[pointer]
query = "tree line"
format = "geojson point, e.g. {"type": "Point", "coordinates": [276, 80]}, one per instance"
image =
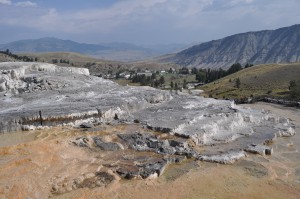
{"type": "Point", "coordinates": [55, 61]}
{"type": "Point", "coordinates": [148, 80]}
{"type": "Point", "coordinates": [210, 75]}
{"type": "Point", "coordinates": [17, 57]}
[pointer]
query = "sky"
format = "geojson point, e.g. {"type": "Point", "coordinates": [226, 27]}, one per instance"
{"type": "Point", "coordinates": [144, 22]}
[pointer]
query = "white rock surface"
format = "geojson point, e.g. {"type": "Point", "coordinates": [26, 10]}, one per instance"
{"type": "Point", "coordinates": [39, 95]}
{"type": "Point", "coordinates": [208, 121]}
{"type": "Point", "coordinates": [226, 158]}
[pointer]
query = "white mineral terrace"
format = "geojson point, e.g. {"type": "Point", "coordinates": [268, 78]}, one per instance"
{"type": "Point", "coordinates": [39, 95]}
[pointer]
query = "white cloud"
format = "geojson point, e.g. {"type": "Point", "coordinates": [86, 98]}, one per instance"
{"type": "Point", "coordinates": [26, 4]}
{"type": "Point", "coordinates": [5, 2]}
{"type": "Point", "coordinates": [135, 12]}
{"type": "Point", "coordinates": [157, 20]}
{"type": "Point", "coordinates": [105, 20]}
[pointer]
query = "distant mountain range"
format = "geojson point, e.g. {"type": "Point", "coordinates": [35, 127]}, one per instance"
{"type": "Point", "coordinates": [110, 51]}
{"type": "Point", "coordinates": [268, 46]}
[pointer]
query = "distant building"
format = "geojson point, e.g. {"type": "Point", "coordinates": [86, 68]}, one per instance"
{"type": "Point", "coordinates": [193, 85]}
{"type": "Point", "coordinates": [190, 86]}
{"type": "Point", "coordinates": [109, 76]}
{"type": "Point", "coordinates": [125, 75]}
{"type": "Point", "coordinates": [98, 74]}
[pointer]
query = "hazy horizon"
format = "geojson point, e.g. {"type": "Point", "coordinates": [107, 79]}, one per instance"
{"type": "Point", "coordinates": [141, 22]}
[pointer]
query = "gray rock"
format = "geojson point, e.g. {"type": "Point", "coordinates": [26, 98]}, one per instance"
{"type": "Point", "coordinates": [153, 168]}
{"type": "Point", "coordinates": [259, 149]}
{"type": "Point", "coordinates": [175, 159]}
{"type": "Point", "coordinates": [150, 169]}
{"type": "Point", "coordinates": [167, 150]}
{"type": "Point", "coordinates": [176, 143]}
{"type": "Point", "coordinates": [147, 142]}
{"type": "Point", "coordinates": [141, 142]}
{"type": "Point", "coordinates": [83, 142]}
{"type": "Point", "coordinates": [286, 132]}
{"type": "Point", "coordinates": [97, 142]}
{"type": "Point", "coordinates": [107, 146]}
{"type": "Point", "coordinates": [224, 158]}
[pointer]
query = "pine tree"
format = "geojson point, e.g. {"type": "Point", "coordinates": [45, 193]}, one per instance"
{"type": "Point", "coordinates": [161, 80]}
{"type": "Point", "coordinates": [172, 85]}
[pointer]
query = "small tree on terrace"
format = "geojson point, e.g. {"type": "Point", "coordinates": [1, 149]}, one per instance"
{"type": "Point", "coordinates": [184, 84]}
{"type": "Point", "coordinates": [172, 85]}
{"type": "Point", "coordinates": [153, 76]}
{"type": "Point", "coordinates": [176, 86]}
{"type": "Point", "coordinates": [161, 80]}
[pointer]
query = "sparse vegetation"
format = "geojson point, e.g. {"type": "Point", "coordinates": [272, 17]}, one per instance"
{"type": "Point", "coordinates": [271, 80]}
{"type": "Point", "coordinates": [294, 88]}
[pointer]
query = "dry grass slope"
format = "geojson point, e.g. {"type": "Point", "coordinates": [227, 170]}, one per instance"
{"type": "Point", "coordinates": [95, 65]}
{"type": "Point", "coordinates": [260, 80]}
{"type": "Point", "coordinates": [75, 57]}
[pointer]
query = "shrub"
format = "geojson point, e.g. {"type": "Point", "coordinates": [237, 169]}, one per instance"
{"type": "Point", "coordinates": [295, 89]}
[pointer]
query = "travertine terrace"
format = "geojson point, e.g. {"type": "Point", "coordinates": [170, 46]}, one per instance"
{"type": "Point", "coordinates": [93, 132]}
{"type": "Point", "coordinates": [39, 95]}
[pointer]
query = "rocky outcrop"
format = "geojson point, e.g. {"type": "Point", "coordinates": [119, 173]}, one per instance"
{"type": "Point", "coordinates": [137, 167]}
{"type": "Point", "coordinates": [146, 155]}
{"type": "Point", "coordinates": [147, 142]}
